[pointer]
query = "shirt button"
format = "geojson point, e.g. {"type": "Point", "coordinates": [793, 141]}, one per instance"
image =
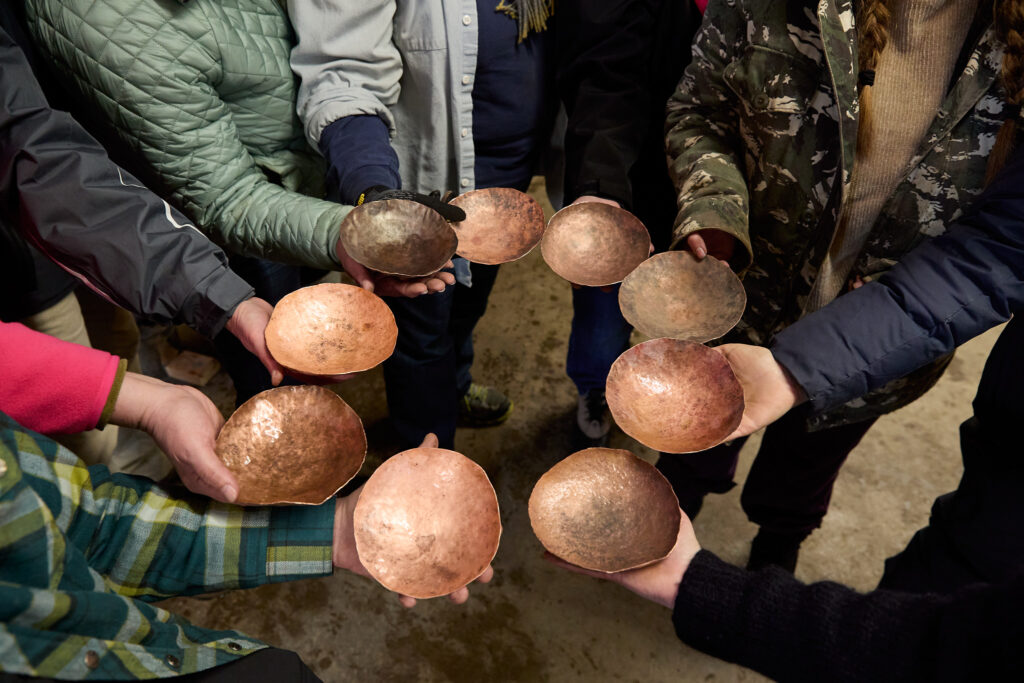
{"type": "Point", "coordinates": [172, 661]}
{"type": "Point", "coordinates": [464, 182]}
{"type": "Point", "coordinates": [467, 79]}
{"type": "Point", "coordinates": [92, 659]}
{"type": "Point", "coordinates": [234, 647]}
{"type": "Point", "coordinates": [464, 131]}
{"type": "Point", "coordinates": [761, 101]}
{"type": "Point", "coordinates": [466, 20]}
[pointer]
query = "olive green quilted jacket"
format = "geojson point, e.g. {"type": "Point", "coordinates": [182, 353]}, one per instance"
{"type": "Point", "coordinates": [202, 96]}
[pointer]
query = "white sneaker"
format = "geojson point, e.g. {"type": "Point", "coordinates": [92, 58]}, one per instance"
{"type": "Point", "coordinates": [592, 417]}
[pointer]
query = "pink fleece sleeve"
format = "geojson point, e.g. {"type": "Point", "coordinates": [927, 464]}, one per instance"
{"type": "Point", "coordinates": [52, 386]}
{"type": "Point", "coordinates": [701, 5]}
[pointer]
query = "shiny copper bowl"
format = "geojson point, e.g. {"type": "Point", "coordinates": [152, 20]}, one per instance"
{"type": "Point", "coordinates": [427, 522]}
{"type": "Point", "coordinates": [594, 244]}
{"type": "Point", "coordinates": [674, 396]}
{"type": "Point", "coordinates": [331, 329]}
{"type": "Point", "coordinates": [398, 237]}
{"type": "Point", "coordinates": [501, 225]}
{"type": "Point", "coordinates": [676, 295]}
{"type": "Point", "coordinates": [295, 445]}
{"type": "Point", "coordinates": [605, 509]}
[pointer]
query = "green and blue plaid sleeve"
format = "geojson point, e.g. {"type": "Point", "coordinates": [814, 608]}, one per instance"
{"type": "Point", "coordinates": [84, 551]}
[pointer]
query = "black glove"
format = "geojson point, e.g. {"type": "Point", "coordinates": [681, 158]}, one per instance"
{"type": "Point", "coordinates": [434, 200]}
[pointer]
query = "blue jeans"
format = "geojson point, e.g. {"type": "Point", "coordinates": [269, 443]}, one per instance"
{"type": "Point", "coordinates": [599, 335]}
{"type": "Point", "coordinates": [430, 368]}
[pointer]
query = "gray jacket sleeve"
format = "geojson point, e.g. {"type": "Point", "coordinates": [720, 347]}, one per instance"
{"type": "Point", "coordinates": [346, 61]}
{"type": "Point", "coordinates": [943, 293]}
{"type": "Point", "coordinates": [97, 221]}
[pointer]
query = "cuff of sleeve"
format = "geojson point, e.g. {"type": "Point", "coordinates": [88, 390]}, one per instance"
{"type": "Point", "coordinates": [214, 300]}
{"type": "Point", "coordinates": [708, 604]}
{"type": "Point", "coordinates": [718, 214]}
{"type": "Point", "coordinates": [115, 389]}
{"type": "Point", "coordinates": [300, 541]}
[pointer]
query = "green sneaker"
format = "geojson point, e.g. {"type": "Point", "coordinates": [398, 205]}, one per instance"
{"type": "Point", "coordinates": [484, 406]}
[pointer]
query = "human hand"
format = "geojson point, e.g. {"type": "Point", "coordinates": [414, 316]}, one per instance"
{"type": "Point", "coordinates": [768, 389]}
{"type": "Point", "coordinates": [717, 243]}
{"type": "Point", "coordinates": [346, 556]}
{"type": "Point", "coordinates": [184, 423]}
{"type": "Point", "coordinates": [249, 324]}
{"type": "Point", "coordinates": [391, 285]}
{"type": "Point", "coordinates": [658, 582]}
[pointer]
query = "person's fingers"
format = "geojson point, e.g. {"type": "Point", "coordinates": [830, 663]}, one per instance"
{"type": "Point", "coordinates": [206, 475]}
{"type": "Point", "coordinates": [435, 285]}
{"type": "Point", "coordinates": [608, 289]}
{"type": "Point", "coordinates": [460, 596]}
{"type": "Point", "coordinates": [696, 244]}
{"type": "Point", "coordinates": [448, 278]}
{"type": "Point", "coordinates": [429, 441]}
{"type": "Point", "coordinates": [406, 601]}
{"type": "Point", "coordinates": [487, 575]}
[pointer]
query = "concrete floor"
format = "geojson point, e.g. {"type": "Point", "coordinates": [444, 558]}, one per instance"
{"type": "Point", "coordinates": [535, 622]}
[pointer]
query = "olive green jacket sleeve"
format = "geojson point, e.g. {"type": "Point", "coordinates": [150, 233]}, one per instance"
{"type": "Point", "coordinates": [156, 73]}
{"type": "Point", "coordinates": [703, 139]}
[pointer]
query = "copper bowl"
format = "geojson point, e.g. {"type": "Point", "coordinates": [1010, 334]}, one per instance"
{"type": "Point", "coordinates": [605, 509]}
{"type": "Point", "coordinates": [676, 295]}
{"type": "Point", "coordinates": [398, 237]}
{"type": "Point", "coordinates": [501, 225]}
{"type": "Point", "coordinates": [297, 445]}
{"type": "Point", "coordinates": [331, 329]}
{"type": "Point", "coordinates": [427, 522]}
{"type": "Point", "coordinates": [674, 396]}
{"type": "Point", "coordinates": [594, 244]}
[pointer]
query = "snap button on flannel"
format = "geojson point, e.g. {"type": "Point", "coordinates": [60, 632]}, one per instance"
{"type": "Point", "coordinates": [172, 661]}
{"type": "Point", "coordinates": [92, 659]}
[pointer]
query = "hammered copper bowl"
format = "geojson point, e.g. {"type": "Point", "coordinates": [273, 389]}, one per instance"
{"type": "Point", "coordinates": [427, 522]}
{"type": "Point", "coordinates": [296, 445]}
{"type": "Point", "coordinates": [501, 225]}
{"type": "Point", "coordinates": [676, 295]}
{"type": "Point", "coordinates": [674, 396]}
{"type": "Point", "coordinates": [594, 244]}
{"type": "Point", "coordinates": [398, 237]}
{"type": "Point", "coordinates": [331, 329]}
{"type": "Point", "coordinates": [605, 509]}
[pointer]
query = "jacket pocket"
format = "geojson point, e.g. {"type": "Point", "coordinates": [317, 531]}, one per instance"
{"type": "Point", "coordinates": [419, 25]}
{"type": "Point", "coordinates": [772, 86]}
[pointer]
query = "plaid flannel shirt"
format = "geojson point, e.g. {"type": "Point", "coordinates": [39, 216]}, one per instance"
{"type": "Point", "coordinates": [83, 552]}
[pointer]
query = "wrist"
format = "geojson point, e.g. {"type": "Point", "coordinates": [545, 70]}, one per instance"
{"type": "Point", "coordinates": [140, 397]}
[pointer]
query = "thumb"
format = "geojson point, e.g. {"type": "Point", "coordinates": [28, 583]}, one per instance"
{"type": "Point", "coordinates": [205, 474]}
{"type": "Point", "coordinates": [429, 441]}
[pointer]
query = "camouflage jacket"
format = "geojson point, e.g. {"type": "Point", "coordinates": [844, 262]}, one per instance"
{"type": "Point", "coordinates": [761, 138]}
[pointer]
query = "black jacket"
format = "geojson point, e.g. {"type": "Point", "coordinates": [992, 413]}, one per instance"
{"type": "Point", "coordinates": [59, 190]}
{"type": "Point", "coordinates": [618, 63]}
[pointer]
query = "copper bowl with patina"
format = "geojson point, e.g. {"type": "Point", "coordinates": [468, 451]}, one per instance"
{"type": "Point", "coordinates": [331, 329]}
{"type": "Point", "coordinates": [605, 509]}
{"type": "Point", "coordinates": [501, 225]}
{"type": "Point", "coordinates": [674, 396]}
{"type": "Point", "coordinates": [295, 445]}
{"type": "Point", "coordinates": [398, 237]}
{"type": "Point", "coordinates": [594, 244]}
{"type": "Point", "coordinates": [427, 522]}
{"type": "Point", "coordinates": [677, 295]}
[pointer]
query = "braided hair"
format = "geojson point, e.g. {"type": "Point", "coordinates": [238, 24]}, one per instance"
{"type": "Point", "coordinates": [872, 35]}
{"type": "Point", "coordinates": [1008, 19]}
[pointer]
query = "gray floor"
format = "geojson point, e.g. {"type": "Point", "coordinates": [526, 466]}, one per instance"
{"type": "Point", "coordinates": [535, 622]}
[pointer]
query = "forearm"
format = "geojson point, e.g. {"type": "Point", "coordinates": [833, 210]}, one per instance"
{"type": "Point", "coordinates": [770, 622]}
{"type": "Point", "coordinates": [943, 293]}
{"type": "Point", "coordinates": [359, 156]}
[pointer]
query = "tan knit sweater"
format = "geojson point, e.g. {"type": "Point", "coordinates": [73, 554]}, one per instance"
{"type": "Point", "coordinates": [911, 78]}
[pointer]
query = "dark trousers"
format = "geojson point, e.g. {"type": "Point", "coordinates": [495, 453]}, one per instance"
{"type": "Point", "coordinates": [975, 533]}
{"type": "Point", "coordinates": [599, 334]}
{"type": "Point", "coordinates": [430, 368]}
{"type": "Point", "coordinates": [790, 483]}
{"type": "Point", "coordinates": [271, 281]}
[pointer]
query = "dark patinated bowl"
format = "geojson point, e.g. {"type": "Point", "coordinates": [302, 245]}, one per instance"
{"type": "Point", "coordinates": [501, 225]}
{"type": "Point", "coordinates": [331, 329]}
{"type": "Point", "coordinates": [398, 237]}
{"type": "Point", "coordinates": [674, 396]}
{"type": "Point", "coordinates": [605, 509]}
{"type": "Point", "coordinates": [594, 244]}
{"type": "Point", "coordinates": [295, 445]}
{"type": "Point", "coordinates": [676, 295]}
{"type": "Point", "coordinates": [427, 522]}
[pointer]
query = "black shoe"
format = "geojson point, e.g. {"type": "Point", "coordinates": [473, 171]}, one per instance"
{"type": "Point", "coordinates": [775, 549]}
{"type": "Point", "coordinates": [592, 420]}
